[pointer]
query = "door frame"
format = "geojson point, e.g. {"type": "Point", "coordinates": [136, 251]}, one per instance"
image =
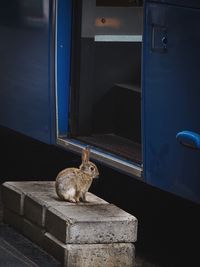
{"type": "Point", "coordinates": [63, 39]}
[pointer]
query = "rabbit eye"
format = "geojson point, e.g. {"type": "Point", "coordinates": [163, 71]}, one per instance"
{"type": "Point", "coordinates": [92, 169]}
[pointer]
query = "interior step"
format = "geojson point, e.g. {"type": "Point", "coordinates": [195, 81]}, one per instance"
{"type": "Point", "coordinates": [116, 145]}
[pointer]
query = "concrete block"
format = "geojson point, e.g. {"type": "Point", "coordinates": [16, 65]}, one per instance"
{"type": "Point", "coordinates": [91, 224]}
{"type": "Point", "coordinates": [28, 229]}
{"type": "Point", "coordinates": [31, 186]}
{"type": "Point", "coordinates": [13, 219]}
{"type": "Point", "coordinates": [36, 204]}
{"type": "Point", "coordinates": [98, 255]}
{"type": "Point", "coordinates": [33, 232]}
{"type": "Point", "coordinates": [13, 193]}
{"type": "Point", "coordinates": [90, 255]}
{"type": "Point", "coordinates": [54, 247]}
{"type": "Point", "coordinates": [13, 198]}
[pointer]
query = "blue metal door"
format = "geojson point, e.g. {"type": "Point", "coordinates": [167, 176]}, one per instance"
{"type": "Point", "coordinates": [171, 98]}
{"type": "Point", "coordinates": [35, 44]}
{"type": "Point", "coordinates": [26, 76]}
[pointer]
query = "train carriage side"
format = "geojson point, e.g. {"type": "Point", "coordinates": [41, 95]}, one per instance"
{"type": "Point", "coordinates": [121, 76]}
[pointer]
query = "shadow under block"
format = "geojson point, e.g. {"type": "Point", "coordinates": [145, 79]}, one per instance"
{"type": "Point", "coordinates": [85, 234]}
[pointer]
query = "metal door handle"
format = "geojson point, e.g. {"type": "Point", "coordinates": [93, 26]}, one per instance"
{"type": "Point", "coordinates": [164, 41]}
{"type": "Point", "coordinates": [159, 39]}
{"type": "Point", "coordinates": [189, 139]}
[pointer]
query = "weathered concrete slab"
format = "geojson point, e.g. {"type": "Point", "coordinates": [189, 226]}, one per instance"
{"type": "Point", "coordinates": [33, 232]}
{"type": "Point", "coordinates": [91, 224]}
{"type": "Point", "coordinates": [13, 193]}
{"type": "Point", "coordinates": [54, 247]}
{"type": "Point", "coordinates": [36, 204]}
{"type": "Point", "coordinates": [85, 234]}
{"type": "Point", "coordinates": [13, 219]}
{"type": "Point", "coordinates": [13, 198]}
{"type": "Point", "coordinates": [90, 255]}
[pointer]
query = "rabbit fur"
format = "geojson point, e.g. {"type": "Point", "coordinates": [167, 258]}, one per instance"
{"type": "Point", "coordinates": [72, 184]}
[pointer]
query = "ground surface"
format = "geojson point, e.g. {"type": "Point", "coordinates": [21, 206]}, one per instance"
{"type": "Point", "coordinates": [17, 251]}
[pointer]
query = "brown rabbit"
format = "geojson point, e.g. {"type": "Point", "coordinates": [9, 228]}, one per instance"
{"type": "Point", "coordinates": [72, 184]}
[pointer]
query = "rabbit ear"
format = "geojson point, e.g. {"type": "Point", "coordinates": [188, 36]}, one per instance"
{"type": "Point", "coordinates": [86, 154]}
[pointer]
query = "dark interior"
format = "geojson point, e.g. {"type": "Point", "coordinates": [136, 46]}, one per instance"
{"type": "Point", "coordinates": [106, 91]}
{"type": "Point", "coordinates": [119, 2]}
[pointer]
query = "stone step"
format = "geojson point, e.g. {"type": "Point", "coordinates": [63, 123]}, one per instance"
{"type": "Point", "coordinates": [90, 234]}
{"type": "Point", "coordinates": [36, 205]}
{"type": "Point", "coordinates": [13, 193]}
{"type": "Point", "coordinates": [95, 222]}
{"type": "Point", "coordinates": [13, 219]}
{"type": "Point", "coordinates": [76, 255]}
{"type": "Point", "coordinates": [90, 255]}
{"type": "Point", "coordinates": [91, 224]}
{"type": "Point", "coordinates": [24, 226]}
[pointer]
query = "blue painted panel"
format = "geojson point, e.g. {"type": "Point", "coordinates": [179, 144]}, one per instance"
{"type": "Point", "coordinates": [171, 96]}
{"type": "Point", "coordinates": [24, 68]}
{"type": "Point", "coordinates": [64, 25]}
{"type": "Point", "coordinates": [183, 3]}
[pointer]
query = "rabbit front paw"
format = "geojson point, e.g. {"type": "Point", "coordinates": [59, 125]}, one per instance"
{"type": "Point", "coordinates": [83, 198]}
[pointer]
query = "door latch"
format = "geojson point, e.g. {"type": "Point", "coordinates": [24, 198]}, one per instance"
{"type": "Point", "coordinates": [189, 139]}
{"type": "Point", "coordinates": [159, 39]}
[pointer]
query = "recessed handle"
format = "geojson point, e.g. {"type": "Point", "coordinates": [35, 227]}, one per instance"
{"type": "Point", "coordinates": [164, 41]}
{"type": "Point", "coordinates": [159, 39]}
{"type": "Point", "coordinates": [189, 139]}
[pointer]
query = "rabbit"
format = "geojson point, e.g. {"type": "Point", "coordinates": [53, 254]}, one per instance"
{"type": "Point", "coordinates": [72, 184]}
